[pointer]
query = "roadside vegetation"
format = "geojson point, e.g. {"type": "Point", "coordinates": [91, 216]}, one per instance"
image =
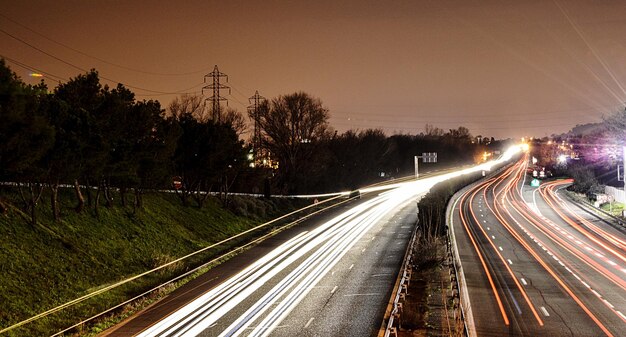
{"type": "Point", "coordinates": [52, 262]}
{"type": "Point", "coordinates": [431, 306]}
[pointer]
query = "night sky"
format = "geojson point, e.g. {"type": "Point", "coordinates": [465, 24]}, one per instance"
{"type": "Point", "coordinates": [500, 68]}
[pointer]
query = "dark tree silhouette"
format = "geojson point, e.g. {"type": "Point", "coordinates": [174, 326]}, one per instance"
{"type": "Point", "coordinates": [292, 126]}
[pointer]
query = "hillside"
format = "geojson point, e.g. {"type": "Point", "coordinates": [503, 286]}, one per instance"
{"type": "Point", "coordinates": [51, 263]}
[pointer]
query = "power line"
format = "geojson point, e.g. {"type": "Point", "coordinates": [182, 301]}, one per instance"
{"type": "Point", "coordinates": [27, 67]}
{"type": "Point", "coordinates": [97, 58]}
{"type": "Point", "coordinates": [79, 68]}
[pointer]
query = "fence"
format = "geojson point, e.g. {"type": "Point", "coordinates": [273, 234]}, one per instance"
{"type": "Point", "coordinates": [617, 193]}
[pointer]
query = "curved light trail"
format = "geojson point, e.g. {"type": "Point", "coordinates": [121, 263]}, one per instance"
{"type": "Point", "coordinates": [530, 253]}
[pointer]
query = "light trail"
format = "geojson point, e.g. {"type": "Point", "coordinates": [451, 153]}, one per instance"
{"type": "Point", "coordinates": [521, 207]}
{"type": "Point", "coordinates": [503, 198]}
{"type": "Point", "coordinates": [304, 260]}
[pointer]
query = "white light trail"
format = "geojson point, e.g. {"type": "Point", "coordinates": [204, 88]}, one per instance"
{"type": "Point", "coordinates": [320, 248]}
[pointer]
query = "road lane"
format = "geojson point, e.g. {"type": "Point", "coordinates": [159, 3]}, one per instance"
{"type": "Point", "coordinates": [520, 269]}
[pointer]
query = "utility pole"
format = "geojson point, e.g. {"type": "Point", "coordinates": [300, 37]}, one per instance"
{"type": "Point", "coordinates": [216, 86]}
{"type": "Point", "coordinates": [255, 102]}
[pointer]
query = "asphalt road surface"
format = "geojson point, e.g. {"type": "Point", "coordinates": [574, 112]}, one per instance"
{"type": "Point", "coordinates": [330, 276]}
{"type": "Point", "coordinates": [537, 265]}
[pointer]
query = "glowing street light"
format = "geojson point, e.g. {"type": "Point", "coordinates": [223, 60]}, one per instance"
{"type": "Point", "coordinates": [562, 159]}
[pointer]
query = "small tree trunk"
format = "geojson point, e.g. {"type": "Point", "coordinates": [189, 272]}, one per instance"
{"type": "Point", "coordinates": [123, 196]}
{"type": "Point", "coordinates": [54, 200]}
{"type": "Point", "coordinates": [88, 192]}
{"type": "Point", "coordinates": [138, 199]}
{"type": "Point", "coordinates": [96, 203]}
{"type": "Point", "coordinates": [79, 196]}
{"type": "Point", "coordinates": [107, 194]}
{"type": "Point", "coordinates": [34, 199]}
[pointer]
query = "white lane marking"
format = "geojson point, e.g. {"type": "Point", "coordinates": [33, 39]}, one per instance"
{"type": "Point", "coordinates": [334, 289]}
{"type": "Point", "coordinates": [500, 247]}
{"type": "Point", "coordinates": [362, 250]}
{"type": "Point", "coordinates": [351, 266]}
{"type": "Point", "coordinates": [510, 262]}
{"type": "Point", "coordinates": [333, 273]}
{"type": "Point", "coordinates": [365, 294]}
{"type": "Point", "coordinates": [309, 322]}
{"type": "Point", "coordinates": [545, 312]}
{"type": "Point", "coordinates": [524, 281]}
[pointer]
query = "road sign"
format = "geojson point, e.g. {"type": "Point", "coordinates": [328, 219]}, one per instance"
{"type": "Point", "coordinates": [177, 182]}
{"type": "Point", "coordinates": [429, 157]}
{"type": "Point", "coordinates": [535, 183]}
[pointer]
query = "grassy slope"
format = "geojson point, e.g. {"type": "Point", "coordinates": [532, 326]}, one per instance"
{"type": "Point", "coordinates": [51, 263]}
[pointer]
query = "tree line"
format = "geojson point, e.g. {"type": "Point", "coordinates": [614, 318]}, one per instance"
{"type": "Point", "coordinates": [101, 140]}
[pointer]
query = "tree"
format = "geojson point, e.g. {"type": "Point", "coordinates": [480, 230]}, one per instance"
{"type": "Point", "coordinates": [192, 105]}
{"type": "Point", "coordinates": [292, 126]}
{"type": "Point", "coordinates": [206, 153]}
{"type": "Point", "coordinates": [80, 150]}
{"type": "Point", "coordinates": [25, 135]}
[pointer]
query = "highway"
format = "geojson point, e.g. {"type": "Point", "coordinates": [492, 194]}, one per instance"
{"type": "Point", "coordinates": [535, 264]}
{"type": "Point", "coordinates": [332, 276]}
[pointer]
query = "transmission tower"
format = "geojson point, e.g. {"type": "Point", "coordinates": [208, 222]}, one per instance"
{"type": "Point", "coordinates": [216, 86]}
{"type": "Point", "coordinates": [255, 102]}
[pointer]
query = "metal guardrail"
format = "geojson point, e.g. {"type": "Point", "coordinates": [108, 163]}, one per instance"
{"type": "Point", "coordinates": [401, 288]}
{"type": "Point", "coordinates": [459, 277]}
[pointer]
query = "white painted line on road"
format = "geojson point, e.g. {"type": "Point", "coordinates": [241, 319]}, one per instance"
{"type": "Point", "coordinates": [545, 312]}
{"type": "Point", "coordinates": [500, 247]}
{"type": "Point", "coordinates": [334, 289]}
{"type": "Point", "coordinates": [309, 322]}
{"type": "Point", "coordinates": [620, 313]}
{"type": "Point", "coordinates": [351, 266]}
{"type": "Point", "coordinates": [612, 263]}
{"type": "Point", "coordinates": [212, 325]}
{"type": "Point", "coordinates": [366, 294]}
{"type": "Point", "coordinates": [509, 260]}
{"type": "Point", "coordinates": [609, 304]}
{"type": "Point", "coordinates": [373, 238]}
{"type": "Point", "coordinates": [524, 281]}
{"type": "Point", "coordinates": [333, 273]}
{"type": "Point", "coordinates": [585, 284]}
{"type": "Point", "coordinates": [362, 250]}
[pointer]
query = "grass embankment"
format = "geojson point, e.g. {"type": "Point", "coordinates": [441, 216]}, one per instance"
{"type": "Point", "coordinates": [48, 264]}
